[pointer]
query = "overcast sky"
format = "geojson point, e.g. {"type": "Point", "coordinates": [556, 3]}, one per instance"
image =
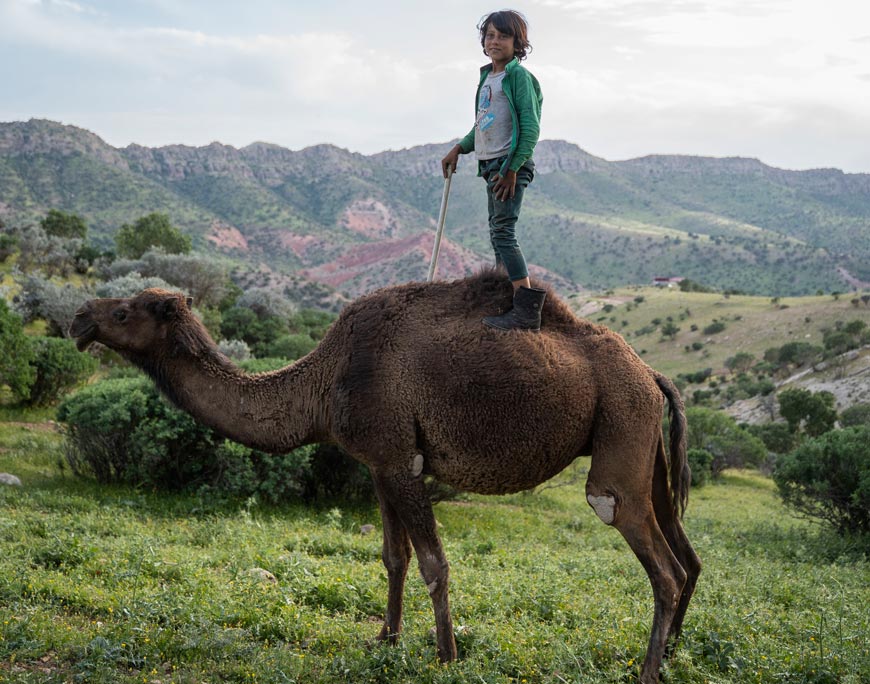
{"type": "Point", "coordinates": [785, 81]}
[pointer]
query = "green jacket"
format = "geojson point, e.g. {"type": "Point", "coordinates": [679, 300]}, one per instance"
{"type": "Point", "coordinates": [524, 97]}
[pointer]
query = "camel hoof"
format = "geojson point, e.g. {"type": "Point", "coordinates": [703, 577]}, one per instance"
{"type": "Point", "coordinates": [385, 636]}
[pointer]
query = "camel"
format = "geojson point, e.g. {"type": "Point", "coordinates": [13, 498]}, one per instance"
{"type": "Point", "coordinates": [410, 383]}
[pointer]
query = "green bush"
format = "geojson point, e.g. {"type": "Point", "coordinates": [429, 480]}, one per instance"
{"type": "Point", "coordinates": [701, 462]}
{"type": "Point", "coordinates": [259, 333]}
{"type": "Point", "coordinates": [777, 437]}
{"type": "Point", "coordinates": [745, 386]}
{"type": "Point", "coordinates": [718, 433]}
{"type": "Point", "coordinates": [16, 371]}
{"type": "Point", "coordinates": [121, 430]}
{"type": "Point", "coordinates": [289, 346]}
{"type": "Point", "coordinates": [59, 367]}
{"type": "Point", "coordinates": [829, 478]}
{"type": "Point", "coordinates": [8, 245]}
{"type": "Point", "coordinates": [714, 327]}
{"type": "Point", "coordinates": [857, 414]}
{"type": "Point", "coordinates": [813, 412]}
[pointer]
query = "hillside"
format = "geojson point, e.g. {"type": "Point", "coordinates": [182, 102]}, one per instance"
{"type": "Point", "coordinates": [589, 223]}
{"type": "Point", "coordinates": [750, 324]}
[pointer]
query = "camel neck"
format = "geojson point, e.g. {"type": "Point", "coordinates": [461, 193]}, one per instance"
{"type": "Point", "coordinates": [275, 411]}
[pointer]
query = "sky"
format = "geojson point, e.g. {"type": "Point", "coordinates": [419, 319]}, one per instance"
{"type": "Point", "coordinates": [783, 81]}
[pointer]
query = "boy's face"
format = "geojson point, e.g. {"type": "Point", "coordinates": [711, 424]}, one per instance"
{"type": "Point", "coordinates": [498, 46]}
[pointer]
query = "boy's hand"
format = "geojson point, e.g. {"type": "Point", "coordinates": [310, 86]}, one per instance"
{"type": "Point", "coordinates": [505, 186]}
{"type": "Point", "coordinates": [451, 160]}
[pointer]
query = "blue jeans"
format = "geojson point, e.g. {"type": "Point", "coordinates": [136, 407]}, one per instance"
{"type": "Point", "coordinates": [503, 217]}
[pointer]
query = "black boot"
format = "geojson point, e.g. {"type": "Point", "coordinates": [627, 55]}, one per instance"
{"type": "Point", "coordinates": [525, 314]}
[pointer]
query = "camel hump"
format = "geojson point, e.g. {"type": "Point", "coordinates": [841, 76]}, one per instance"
{"type": "Point", "coordinates": [467, 299]}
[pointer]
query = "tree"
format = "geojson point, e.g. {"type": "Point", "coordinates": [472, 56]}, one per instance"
{"type": "Point", "coordinates": [814, 411]}
{"type": "Point", "coordinates": [153, 230]}
{"type": "Point", "coordinates": [829, 478]}
{"type": "Point", "coordinates": [16, 370]}
{"type": "Point", "coordinates": [797, 353]}
{"type": "Point", "coordinates": [670, 330]}
{"type": "Point", "coordinates": [61, 224]}
{"type": "Point", "coordinates": [740, 362]}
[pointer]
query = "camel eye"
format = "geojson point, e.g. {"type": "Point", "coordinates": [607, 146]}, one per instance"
{"type": "Point", "coordinates": [120, 315]}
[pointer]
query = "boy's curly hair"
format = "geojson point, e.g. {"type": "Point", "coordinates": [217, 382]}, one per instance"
{"type": "Point", "coordinates": [510, 23]}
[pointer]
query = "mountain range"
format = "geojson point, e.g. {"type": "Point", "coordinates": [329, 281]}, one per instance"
{"type": "Point", "coordinates": [326, 216]}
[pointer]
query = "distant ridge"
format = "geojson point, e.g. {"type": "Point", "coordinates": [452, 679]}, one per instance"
{"type": "Point", "coordinates": [732, 223]}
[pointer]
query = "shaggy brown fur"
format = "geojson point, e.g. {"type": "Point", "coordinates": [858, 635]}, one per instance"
{"type": "Point", "coordinates": [410, 383]}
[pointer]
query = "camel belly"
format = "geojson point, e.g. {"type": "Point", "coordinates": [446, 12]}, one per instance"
{"type": "Point", "coordinates": [496, 475]}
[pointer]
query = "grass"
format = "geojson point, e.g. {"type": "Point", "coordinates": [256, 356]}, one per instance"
{"type": "Point", "coordinates": [106, 584]}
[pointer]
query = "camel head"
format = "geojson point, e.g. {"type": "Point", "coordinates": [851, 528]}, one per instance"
{"type": "Point", "coordinates": [141, 326]}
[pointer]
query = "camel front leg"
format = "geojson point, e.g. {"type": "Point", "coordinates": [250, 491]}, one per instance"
{"type": "Point", "coordinates": [396, 554]}
{"type": "Point", "coordinates": [405, 494]}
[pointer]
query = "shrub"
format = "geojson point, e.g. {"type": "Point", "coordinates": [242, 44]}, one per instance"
{"type": "Point", "coordinates": [312, 322]}
{"type": "Point", "coordinates": [814, 412]}
{"type": "Point", "coordinates": [697, 377]}
{"type": "Point", "coordinates": [829, 478]}
{"type": "Point", "coordinates": [53, 254]}
{"type": "Point", "coordinates": [740, 362]}
{"type": "Point", "coordinates": [8, 245]}
{"type": "Point", "coordinates": [202, 278]}
{"type": "Point", "coordinates": [59, 367]}
{"type": "Point", "coordinates": [745, 386]}
{"type": "Point", "coordinates": [793, 353]}
{"type": "Point", "coordinates": [237, 350]}
{"type": "Point", "coordinates": [777, 437]}
{"type": "Point", "coordinates": [718, 433]}
{"type": "Point", "coordinates": [289, 346]}
{"type": "Point", "coordinates": [242, 323]}
{"type": "Point", "coordinates": [267, 303]}
{"type": "Point", "coordinates": [53, 302]}
{"type": "Point", "coordinates": [857, 414]}
{"type": "Point", "coordinates": [121, 430]}
{"type": "Point", "coordinates": [701, 462]}
{"type": "Point", "coordinates": [839, 341]}
{"type": "Point", "coordinates": [130, 285]}
{"type": "Point", "coordinates": [16, 370]}
{"type": "Point", "coordinates": [714, 327]}
{"type": "Point", "coordinates": [687, 285]}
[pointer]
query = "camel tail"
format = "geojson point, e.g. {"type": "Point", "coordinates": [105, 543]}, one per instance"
{"type": "Point", "coordinates": [680, 473]}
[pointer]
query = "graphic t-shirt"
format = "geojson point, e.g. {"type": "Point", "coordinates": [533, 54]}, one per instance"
{"type": "Point", "coordinates": [493, 127]}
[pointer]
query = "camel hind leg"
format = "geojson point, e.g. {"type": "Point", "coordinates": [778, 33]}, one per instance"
{"type": "Point", "coordinates": [396, 555]}
{"type": "Point", "coordinates": [670, 524]}
{"type": "Point", "coordinates": [619, 490]}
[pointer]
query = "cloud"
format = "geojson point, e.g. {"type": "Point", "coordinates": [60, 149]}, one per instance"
{"type": "Point", "coordinates": [620, 77]}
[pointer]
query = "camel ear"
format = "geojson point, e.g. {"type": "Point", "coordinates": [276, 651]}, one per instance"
{"type": "Point", "coordinates": [167, 309]}
{"type": "Point", "coordinates": [189, 301]}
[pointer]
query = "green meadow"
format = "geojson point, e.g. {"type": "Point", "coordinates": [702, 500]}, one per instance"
{"type": "Point", "coordinates": [109, 584]}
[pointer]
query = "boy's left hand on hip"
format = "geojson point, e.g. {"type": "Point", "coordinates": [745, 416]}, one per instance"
{"type": "Point", "coordinates": [505, 186]}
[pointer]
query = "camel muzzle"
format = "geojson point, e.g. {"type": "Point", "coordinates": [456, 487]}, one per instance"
{"type": "Point", "coordinates": [83, 329]}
